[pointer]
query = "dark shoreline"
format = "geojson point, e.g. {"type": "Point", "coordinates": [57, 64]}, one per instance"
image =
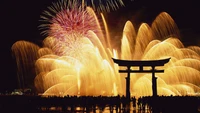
{"type": "Point", "coordinates": [88, 104]}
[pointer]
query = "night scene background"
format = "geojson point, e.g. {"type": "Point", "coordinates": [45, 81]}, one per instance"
{"type": "Point", "coordinates": [20, 21]}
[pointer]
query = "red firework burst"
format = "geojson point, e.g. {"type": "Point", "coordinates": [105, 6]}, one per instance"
{"type": "Point", "coordinates": [68, 19]}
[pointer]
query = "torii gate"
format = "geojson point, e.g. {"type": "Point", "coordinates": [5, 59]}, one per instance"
{"type": "Point", "coordinates": [141, 64]}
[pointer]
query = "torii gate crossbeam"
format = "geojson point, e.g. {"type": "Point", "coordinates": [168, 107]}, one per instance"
{"type": "Point", "coordinates": [141, 64]}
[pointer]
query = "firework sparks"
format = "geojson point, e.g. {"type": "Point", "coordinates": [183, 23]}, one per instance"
{"type": "Point", "coordinates": [75, 60]}
{"type": "Point", "coordinates": [67, 21]}
{"type": "Point", "coordinates": [102, 5]}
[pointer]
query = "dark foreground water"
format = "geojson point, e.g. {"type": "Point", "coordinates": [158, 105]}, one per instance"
{"type": "Point", "coordinates": [100, 104]}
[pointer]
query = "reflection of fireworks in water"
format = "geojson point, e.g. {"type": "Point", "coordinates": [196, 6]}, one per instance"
{"type": "Point", "coordinates": [76, 57]}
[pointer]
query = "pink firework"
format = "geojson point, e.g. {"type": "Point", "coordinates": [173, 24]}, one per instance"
{"type": "Point", "coordinates": [68, 19]}
{"type": "Point", "coordinates": [72, 21]}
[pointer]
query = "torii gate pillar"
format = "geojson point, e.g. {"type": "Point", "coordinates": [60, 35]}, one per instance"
{"type": "Point", "coordinates": [141, 64]}
{"type": "Point", "coordinates": [154, 83]}
{"type": "Point", "coordinates": [128, 94]}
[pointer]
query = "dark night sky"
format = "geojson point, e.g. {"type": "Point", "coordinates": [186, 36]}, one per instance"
{"type": "Point", "coordinates": [19, 21]}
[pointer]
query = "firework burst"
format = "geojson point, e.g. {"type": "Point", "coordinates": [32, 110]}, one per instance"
{"type": "Point", "coordinates": [66, 18]}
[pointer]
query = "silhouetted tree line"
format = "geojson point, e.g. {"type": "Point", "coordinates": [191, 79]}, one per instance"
{"type": "Point", "coordinates": [119, 104]}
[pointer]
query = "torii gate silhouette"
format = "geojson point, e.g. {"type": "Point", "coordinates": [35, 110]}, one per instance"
{"type": "Point", "coordinates": [141, 64]}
